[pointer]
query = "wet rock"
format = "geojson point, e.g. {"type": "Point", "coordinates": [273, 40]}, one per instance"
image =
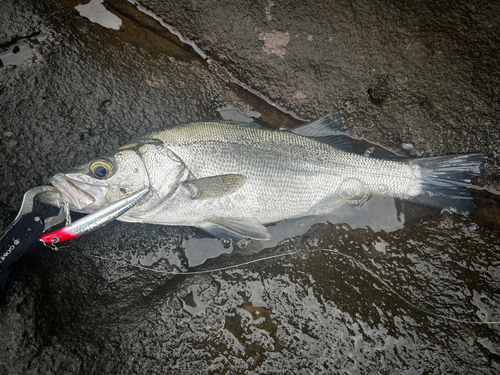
{"type": "Point", "coordinates": [19, 21]}
{"type": "Point", "coordinates": [333, 301]}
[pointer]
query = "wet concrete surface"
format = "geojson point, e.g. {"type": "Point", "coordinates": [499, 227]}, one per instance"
{"type": "Point", "coordinates": [397, 289]}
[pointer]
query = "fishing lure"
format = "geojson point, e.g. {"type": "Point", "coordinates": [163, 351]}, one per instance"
{"type": "Point", "coordinates": [95, 220]}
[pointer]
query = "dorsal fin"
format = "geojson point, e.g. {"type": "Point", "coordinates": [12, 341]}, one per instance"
{"type": "Point", "coordinates": [330, 129]}
{"type": "Point", "coordinates": [328, 125]}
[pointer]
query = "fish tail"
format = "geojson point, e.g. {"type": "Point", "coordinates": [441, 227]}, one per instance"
{"type": "Point", "coordinates": [444, 181]}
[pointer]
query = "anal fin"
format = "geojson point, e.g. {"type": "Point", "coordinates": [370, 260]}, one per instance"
{"type": "Point", "coordinates": [236, 228]}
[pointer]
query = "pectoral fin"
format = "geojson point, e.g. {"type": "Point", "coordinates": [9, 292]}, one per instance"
{"type": "Point", "coordinates": [236, 228]}
{"type": "Point", "coordinates": [214, 186]}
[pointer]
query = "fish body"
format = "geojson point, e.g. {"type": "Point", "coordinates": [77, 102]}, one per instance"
{"type": "Point", "coordinates": [231, 179]}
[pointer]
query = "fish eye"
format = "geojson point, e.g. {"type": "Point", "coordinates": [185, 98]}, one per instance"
{"type": "Point", "coordinates": [101, 169]}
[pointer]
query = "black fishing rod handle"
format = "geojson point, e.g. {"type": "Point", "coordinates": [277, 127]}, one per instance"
{"type": "Point", "coordinates": [16, 240]}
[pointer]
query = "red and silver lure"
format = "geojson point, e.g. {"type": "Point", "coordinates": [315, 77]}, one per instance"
{"type": "Point", "coordinates": [95, 220]}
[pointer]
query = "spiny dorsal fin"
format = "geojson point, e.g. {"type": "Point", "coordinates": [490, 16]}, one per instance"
{"type": "Point", "coordinates": [214, 186]}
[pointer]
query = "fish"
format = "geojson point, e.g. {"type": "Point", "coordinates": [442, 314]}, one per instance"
{"type": "Point", "coordinates": [232, 179]}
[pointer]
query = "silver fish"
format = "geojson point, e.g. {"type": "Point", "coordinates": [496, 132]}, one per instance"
{"type": "Point", "coordinates": [230, 179]}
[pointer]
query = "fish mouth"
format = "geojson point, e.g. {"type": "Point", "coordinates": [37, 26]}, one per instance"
{"type": "Point", "coordinates": [78, 195]}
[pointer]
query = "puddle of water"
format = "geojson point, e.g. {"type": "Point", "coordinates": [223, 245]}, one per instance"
{"type": "Point", "coordinates": [96, 12]}
{"type": "Point", "coordinates": [199, 250]}
{"type": "Point", "coordinates": [16, 54]}
{"type": "Point", "coordinates": [378, 214]}
{"type": "Point", "coordinates": [236, 114]}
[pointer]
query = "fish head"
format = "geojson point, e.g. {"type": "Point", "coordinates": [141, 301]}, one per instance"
{"type": "Point", "coordinates": [97, 184]}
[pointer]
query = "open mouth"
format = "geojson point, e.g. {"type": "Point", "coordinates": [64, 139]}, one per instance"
{"type": "Point", "coordinates": [77, 194]}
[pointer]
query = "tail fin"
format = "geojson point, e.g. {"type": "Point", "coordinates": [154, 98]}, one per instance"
{"type": "Point", "coordinates": [444, 180]}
